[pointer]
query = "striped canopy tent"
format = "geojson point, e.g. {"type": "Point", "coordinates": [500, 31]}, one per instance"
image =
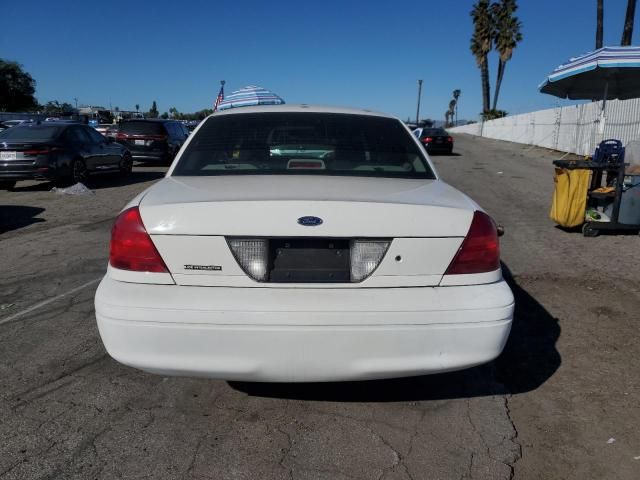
{"type": "Point", "coordinates": [250, 96]}
{"type": "Point", "coordinates": [604, 74]}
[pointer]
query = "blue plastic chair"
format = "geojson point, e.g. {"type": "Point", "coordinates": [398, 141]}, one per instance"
{"type": "Point", "coordinates": [609, 151]}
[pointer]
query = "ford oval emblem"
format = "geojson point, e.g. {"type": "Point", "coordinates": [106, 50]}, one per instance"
{"type": "Point", "coordinates": [310, 221]}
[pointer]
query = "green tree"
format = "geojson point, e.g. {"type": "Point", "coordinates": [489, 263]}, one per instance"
{"type": "Point", "coordinates": [202, 114]}
{"type": "Point", "coordinates": [493, 114]}
{"type": "Point", "coordinates": [137, 108]}
{"type": "Point", "coordinates": [481, 43]}
{"type": "Point", "coordinates": [599, 23]}
{"type": "Point", "coordinates": [55, 108]}
{"type": "Point", "coordinates": [627, 31]}
{"type": "Point", "coordinates": [16, 88]}
{"type": "Point", "coordinates": [153, 112]}
{"type": "Point", "coordinates": [507, 35]}
{"type": "Point", "coordinates": [164, 115]}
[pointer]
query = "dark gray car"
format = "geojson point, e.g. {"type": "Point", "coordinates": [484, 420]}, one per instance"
{"type": "Point", "coordinates": [64, 153]}
{"type": "Point", "coordinates": [152, 139]}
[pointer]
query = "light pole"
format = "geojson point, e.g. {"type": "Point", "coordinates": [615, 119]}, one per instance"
{"type": "Point", "coordinates": [419, 96]}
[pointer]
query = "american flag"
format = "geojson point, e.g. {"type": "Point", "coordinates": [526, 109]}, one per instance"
{"type": "Point", "coordinates": [219, 98]}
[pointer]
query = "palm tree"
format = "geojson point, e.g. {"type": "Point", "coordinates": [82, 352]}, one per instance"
{"type": "Point", "coordinates": [627, 32]}
{"type": "Point", "coordinates": [600, 20]}
{"type": "Point", "coordinates": [481, 42]}
{"type": "Point", "coordinates": [446, 118]}
{"type": "Point", "coordinates": [456, 96]}
{"type": "Point", "coordinates": [506, 37]}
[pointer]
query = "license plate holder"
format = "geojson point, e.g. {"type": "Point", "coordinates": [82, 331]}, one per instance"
{"type": "Point", "coordinates": [141, 143]}
{"type": "Point", "coordinates": [8, 155]}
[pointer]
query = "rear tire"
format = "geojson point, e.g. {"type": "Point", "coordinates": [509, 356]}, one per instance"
{"type": "Point", "coordinates": [126, 165]}
{"type": "Point", "coordinates": [79, 171]}
{"type": "Point", "coordinates": [77, 174]}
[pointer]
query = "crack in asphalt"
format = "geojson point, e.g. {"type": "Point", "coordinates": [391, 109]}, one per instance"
{"type": "Point", "coordinates": [397, 456]}
{"type": "Point", "coordinates": [514, 439]}
{"type": "Point", "coordinates": [19, 396]}
{"type": "Point", "coordinates": [488, 446]}
{"type": "Point", "coordinates": [285, 452]}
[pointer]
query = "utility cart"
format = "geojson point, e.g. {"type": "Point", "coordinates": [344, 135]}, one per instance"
{"type": "Point", "coordinates": [611, 193]}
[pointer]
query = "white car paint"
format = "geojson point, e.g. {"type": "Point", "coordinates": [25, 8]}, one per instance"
{"type": "Point", "coordinates": [407, 318]}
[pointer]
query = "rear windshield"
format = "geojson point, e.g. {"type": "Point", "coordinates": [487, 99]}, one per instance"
{"type": "Point", "coordinates": [303, 143]}
{"type": "Point", "coordinates": [32, 133]}
{"type": "Point", "coordinates": [142, 128]}
{"type": "Point", "coordinates": [433, 132]}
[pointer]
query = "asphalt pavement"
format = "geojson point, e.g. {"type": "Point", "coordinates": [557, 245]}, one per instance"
{"type": "Point", "coordinates": [561, 402]}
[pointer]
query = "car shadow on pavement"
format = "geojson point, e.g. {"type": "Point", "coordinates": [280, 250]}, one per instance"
{"type": "Point", "coordinates": [453, 154]}
{"type": "Point", "coordinates": [13, 217]}
{"type": "Point", "coordinates": [96, 182]}
{"type": "Point", "coordinates": [529, 359]}
{"type": "Point", "coordinates": [115, 180]}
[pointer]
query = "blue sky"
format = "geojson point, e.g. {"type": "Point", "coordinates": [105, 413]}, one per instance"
{"type": "Point", "coordinates": [361, 54]}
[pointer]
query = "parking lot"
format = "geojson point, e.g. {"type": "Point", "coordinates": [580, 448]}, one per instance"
{"type": "Point", "coordinates": [563, 400]}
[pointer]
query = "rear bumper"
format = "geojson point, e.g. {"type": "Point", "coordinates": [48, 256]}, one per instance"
{"type": "Point", "coordinates": [12, 173]}
{"type": "Point", "coordinates": [444, 147]}
{"type": "Point", "coordinates": [148, 154]}
{"type": "Point", "coordinates": [301, 335]}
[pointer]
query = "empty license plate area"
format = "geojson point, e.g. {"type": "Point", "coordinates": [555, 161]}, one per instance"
{"type": "Point", "coordinates": [309, 260]}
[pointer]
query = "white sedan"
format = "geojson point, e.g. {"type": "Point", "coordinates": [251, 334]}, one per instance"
{"type": "Point", "coordinates": [333, 254]}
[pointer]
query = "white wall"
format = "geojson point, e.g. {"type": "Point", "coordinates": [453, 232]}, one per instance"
{"type": "Point", "coordinates": [574, 129]}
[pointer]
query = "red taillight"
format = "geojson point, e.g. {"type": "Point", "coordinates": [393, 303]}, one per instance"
{"type": "Point", "coordinates": [160, 138]}
{"type": "Point", "coordinates": [427, 140]}
{"type": "Point", "coordinates": [121, 136]}
{"type": "Point", "coordinates": [480, 250]}
{"type": "Point", "coordinates": [131, 245]}
{"type": "Point", "coordinates": [449, 139]}
{"type": "Point", "coordinates": [40, 151]}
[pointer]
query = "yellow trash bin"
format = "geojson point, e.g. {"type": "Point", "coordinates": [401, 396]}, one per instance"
{"type": "Point", "coordinates": [570, 196]}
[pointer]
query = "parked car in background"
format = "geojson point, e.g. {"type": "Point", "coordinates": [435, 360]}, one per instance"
{"type": "Point", "coordinates": [107, 129]}
{"type": "Point", "coordinates": [340, 256]}
{"type": "Point", "coordinates": [152, 139]}
{"type": "Point", "coordinates": [191, 125]}
{"type": "Point", "coordinates": [64, 153]}
{"type": "Point", "coordinates": [13, 123]}
{"type": "Point", "coordinates": [435, 140]}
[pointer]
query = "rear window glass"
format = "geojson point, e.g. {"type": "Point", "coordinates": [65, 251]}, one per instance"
{"type": "Point", "coordinates": [32, 133]}
{"type": "Point", "coordinates": [303, 143]}
{"type": "Point", "coordinates": [433, 132]}
{"type": "Point", "coordinates": [142, 128]}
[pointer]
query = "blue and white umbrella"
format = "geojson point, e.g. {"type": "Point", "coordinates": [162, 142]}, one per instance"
{"type": "Point", "coordinates": [604, 74]}
{"type": "Point", "coordinates": [250, 96]}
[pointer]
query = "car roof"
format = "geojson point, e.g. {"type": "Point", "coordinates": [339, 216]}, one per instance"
{"type": "Point", "coordinates": [303, 107]}
{"type": "Point", "coordinates": [149, 120]}
{"type": "Point", "coordinates": [40, 125]}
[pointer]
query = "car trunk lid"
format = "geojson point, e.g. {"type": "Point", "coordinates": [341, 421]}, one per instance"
{"type": "Point", "coordinates": [271, 205]}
